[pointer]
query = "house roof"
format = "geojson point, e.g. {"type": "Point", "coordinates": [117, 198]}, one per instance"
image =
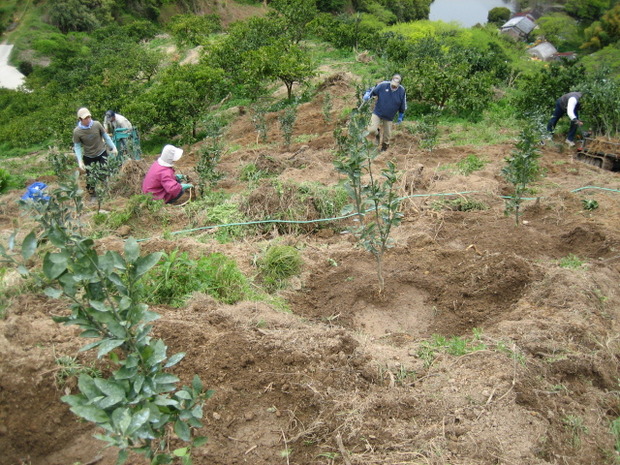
{"type": "Point", "coordinates": [522, 23]}
{"type": "Point", "coordinates": [544, 50]}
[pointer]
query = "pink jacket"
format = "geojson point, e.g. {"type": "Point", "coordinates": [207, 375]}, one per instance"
{"type": "Point", "coordinates": [160, 181]}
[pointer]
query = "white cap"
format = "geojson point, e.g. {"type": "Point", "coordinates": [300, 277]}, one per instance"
{"type": "Point", "coordinates": [169, 155]}
{"type": "Point", "coordinates": [83, 113]}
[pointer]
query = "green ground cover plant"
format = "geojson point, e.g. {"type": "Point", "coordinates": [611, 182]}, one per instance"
{"type": "Point", "coordinates": [571, 261]}
{"type": "Point", "coordinates": [457, 346]}
{"type": "Point", "coordinates": [277, 264]}
{"type": "Point", "coordinates": [177, 277]}
{"type": "Point", "coordinates": [135, 206]}
{"type": "Point", "coordinates": [470, 164]}
{"type": "Point", "coordinates": [70, 367]}
{"type": "Point", "coordinates": [228, 214]}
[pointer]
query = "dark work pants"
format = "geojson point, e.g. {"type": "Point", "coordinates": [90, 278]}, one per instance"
{"type": "Point", "coordinates": [557, 114]}
{"type": "Point", "coordinates": [102, 161]}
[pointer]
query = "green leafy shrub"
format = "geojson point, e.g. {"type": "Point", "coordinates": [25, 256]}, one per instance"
{"type": "Point", "coordinates": [209, 157]}
{"type": "Point", "coordinates": [279, 263]}
{"type": "Point", "coordinates": [60, 163]}
{"type": "Point", "coordinates": [427, 130]}
{"type": "Point", "coordinates": [260, 122]}
{"type": "Point", "coordinates": [374, 202]}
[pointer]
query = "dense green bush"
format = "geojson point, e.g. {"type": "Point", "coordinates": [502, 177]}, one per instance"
{"type": "Point", "coordinates": [192, 30]}
{"type": "Point", "coordinates": [453, 78]}
{"type": "Point", "coordinates": [538, 91]}
{"type": "Point", "coordinates": [601, 94]}
{"type": "Point", "coordinates": [348, 31]}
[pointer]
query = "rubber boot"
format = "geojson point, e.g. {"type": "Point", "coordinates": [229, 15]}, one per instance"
{"type": "Point", "coordinates": [384, 147]}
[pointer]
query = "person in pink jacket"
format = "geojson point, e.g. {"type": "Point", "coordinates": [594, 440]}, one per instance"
{"type": "Point", "coordinates": [161, 181]}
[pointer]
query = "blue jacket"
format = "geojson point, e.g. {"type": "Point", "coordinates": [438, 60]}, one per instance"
{"type": "Point", "coordinates": [389, 102]}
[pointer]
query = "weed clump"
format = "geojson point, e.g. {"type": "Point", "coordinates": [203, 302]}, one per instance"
{"type": "Point", "coordinates": [279, 263]}
{"type": "Point", "coordinates": [174, 280]}
{"type": "Point", "coordinates": [461, 204]}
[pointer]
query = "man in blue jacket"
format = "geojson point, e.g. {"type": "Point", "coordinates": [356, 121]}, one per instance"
{"type": "Point", "coordinates": [391, 99]}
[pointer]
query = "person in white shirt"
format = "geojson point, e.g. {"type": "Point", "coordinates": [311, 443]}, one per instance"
{"type": "Point", "coordinates": [567, 104]}
{"type": "Point", "coordinates": [113, 121]}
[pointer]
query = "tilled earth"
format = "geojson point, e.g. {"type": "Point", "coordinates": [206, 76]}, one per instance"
{"type": "Point", "coordinates": [356, 376]}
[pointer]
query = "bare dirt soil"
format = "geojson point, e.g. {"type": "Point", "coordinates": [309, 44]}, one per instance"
{"type": "Point", "coordinates": [352, 376]}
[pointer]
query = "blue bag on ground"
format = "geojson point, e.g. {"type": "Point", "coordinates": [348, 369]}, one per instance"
{"type": "Point", "coordinates": [35, 192]}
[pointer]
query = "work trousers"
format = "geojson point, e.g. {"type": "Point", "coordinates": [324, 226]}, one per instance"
{"type": "Point", "coordinates": [381, 126]}
{"type": "Point", "coordinates": [557, 114]}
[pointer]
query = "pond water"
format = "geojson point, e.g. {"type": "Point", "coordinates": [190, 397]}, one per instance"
{"type": "Point", "coordinates": [467, 12]}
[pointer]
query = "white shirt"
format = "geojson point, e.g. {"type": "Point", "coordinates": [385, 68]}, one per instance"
{"type": "Point", "coordinates": [570, 108]}
{"type": "Point", "coordinates": [120, 122]}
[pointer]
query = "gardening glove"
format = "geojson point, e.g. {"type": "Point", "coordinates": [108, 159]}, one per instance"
{"type": "Point", "coordinates": [179, 177]}
{"type": "Point", "coordinates": [187, 186]}
{"type": "Point", "coordinates": [366, 96]}
{"type": "Point", "coordinates": [400, 117]}
{"type": "Point", "coordinates": [110, 144]}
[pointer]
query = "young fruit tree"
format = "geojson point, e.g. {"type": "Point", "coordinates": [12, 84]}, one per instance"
{"type": "Point", "coordinates": [375, 203]}
{"type": "Point", "coordinates": [522, 168]}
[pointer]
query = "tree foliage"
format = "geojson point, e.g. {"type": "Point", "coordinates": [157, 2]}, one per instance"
{"type": "Point", "coordinates": [561, 30]}
{"type": "Point", "coordinates": [192, 30]}
{"type": "Point", "coordinates": [73, 15]}
{"type": "Point", "coordinates": [179, 98]}
{"type": "Point", "coordinates": [522, 167]}
{"type": "Point", "coordinates": [601, 94]}
{"type": "Point", "coordinates": [498, 15]}
{"type": "Point", "coordinates": [537, 91]}
{"type": "Point", "coordinates": [589, 10]}
{"type": "Point", "coordinates": [293, 16]}
{"type": "Point", "coordinates": [454, 78]}
{"type": "Point", "coordinates": [604, 32]}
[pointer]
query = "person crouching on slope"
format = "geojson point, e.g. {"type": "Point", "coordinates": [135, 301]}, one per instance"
{"type": "Point", "coordinates": [161, 181]}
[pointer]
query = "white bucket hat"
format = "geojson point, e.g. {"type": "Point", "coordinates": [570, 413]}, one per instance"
{"type": "Point", "coordinates": [169, 155]}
